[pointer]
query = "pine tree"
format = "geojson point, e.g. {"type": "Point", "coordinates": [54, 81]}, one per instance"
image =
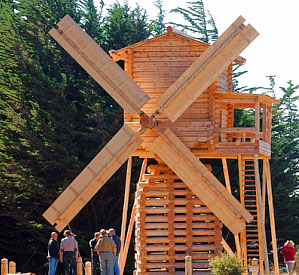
{"type": "Point", "coordinates": [200, 22]}
{"type": "Point", "coordinates": [285, 163]}
{"type": "Point", "coordinates": [159, 25]}
{"type": "Point", "coordinates": [124, 26]}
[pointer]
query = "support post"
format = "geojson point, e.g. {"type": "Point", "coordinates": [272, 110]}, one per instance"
{"type": "Point", "coordinates": [4, 266]}
{"type": "Point", "coordinates": [257, 120]}
{"type": "Point", "coordinates": [243, 232]}
{"type": "Point", "coordinates": [188, 265]}
{"type": "Point", "coordinates": [12, 268]}
{"type": "Point", "coordinates": [125, 206]}
{"type": "Point", "coordinates": [228, 187]}
{"type": "Point", "coordinates": [272, 219]}
{"type": "Point", "coordinates": [79, 266]}
{"type": "Point", "coordinates": [264, 190]}
{"type": "Point", "coordinates": [261, 228]}
{"type": "Point", "coordinates": [227, 248]}
{"type": "Point", "coordinates": [254, 268]}
{"type": "Point", "coordinates": [128, 240]}
{"type": "Point", "coordinates": [88, 268]}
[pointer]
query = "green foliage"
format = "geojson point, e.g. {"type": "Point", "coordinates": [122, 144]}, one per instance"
{"type": "Point", "coordinates": [54, 120]}
{"type": "Point", "coordinates": [297, 252]}
{"type": "Point", "coordinates": [199, 21]}
{"type": "Point", "coordinates": [225, 264]}
{"type": "Point", "coordinates": [285, 163]}
{"type": "Point", "coordinates": [159, 25]}
{"type": "Point", "coordinates": [124, 26]}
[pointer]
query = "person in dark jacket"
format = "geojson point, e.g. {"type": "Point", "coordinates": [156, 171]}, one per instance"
{"type": "Point", "coordinates": [117, 241]}
{"type": "Point", "coordinates": [53, 253]}
{"type": "Point", "coordinates": [95, 262]}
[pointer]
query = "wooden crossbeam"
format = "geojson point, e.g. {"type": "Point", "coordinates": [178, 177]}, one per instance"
{"type": "Point", "coordinates": [99, 65]}
{"type": "Point", "coordinates": [201, 181]}
{"type": "Point", "coordinates": [92, 178]}
{"type": "Point", "coordinates": [196, 79]}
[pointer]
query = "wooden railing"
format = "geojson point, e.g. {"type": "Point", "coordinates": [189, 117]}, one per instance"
{"type": "Point", "coordinates": [9, 268]}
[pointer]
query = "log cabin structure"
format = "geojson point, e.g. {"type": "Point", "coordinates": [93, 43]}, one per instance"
{"type": "Point", "coordinates": [179, 108]}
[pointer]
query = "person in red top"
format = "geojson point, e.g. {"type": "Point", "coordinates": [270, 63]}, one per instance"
{"type": "Point", "coordinates": [288, 251]}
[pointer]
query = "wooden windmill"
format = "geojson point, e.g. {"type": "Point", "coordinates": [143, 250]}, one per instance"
{"type": "Point", "coordinates": [177, 111]}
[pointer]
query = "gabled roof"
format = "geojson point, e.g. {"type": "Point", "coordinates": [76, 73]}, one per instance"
{"type": "Point", "coordinates": [119, 54]}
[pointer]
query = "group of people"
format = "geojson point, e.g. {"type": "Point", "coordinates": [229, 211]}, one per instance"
{"type": "Point", "coordinates": [67, 253]}
{"type": "Point", "coordinates": [105, 247]}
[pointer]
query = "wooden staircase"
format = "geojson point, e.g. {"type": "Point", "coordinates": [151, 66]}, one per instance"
{"type": "Point", "coordinates": [249, 236]}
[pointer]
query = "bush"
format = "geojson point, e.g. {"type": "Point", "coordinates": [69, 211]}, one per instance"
{"type": "Point", "coordinates": [225, 264]}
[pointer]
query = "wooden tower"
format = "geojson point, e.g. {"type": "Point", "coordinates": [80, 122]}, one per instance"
{"type": "Point", "coordinates": [179, 108]}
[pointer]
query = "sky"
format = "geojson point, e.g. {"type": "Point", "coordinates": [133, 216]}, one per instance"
{"type": "Point", "coordinates": [274, 52]}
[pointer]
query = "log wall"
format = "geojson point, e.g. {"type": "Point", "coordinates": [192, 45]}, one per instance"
{"type": "Point", "coordinates": [157, 64]}
{"type": "Point", "coordinates": [172, 223]}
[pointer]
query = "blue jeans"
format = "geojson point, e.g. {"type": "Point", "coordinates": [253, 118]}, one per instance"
{"type": "Point", "coordinates": [116, 267]}
{"type": "Point", "coordinates": [107, 260]}
{"type": "Point", "coordinates": [70, 265]}
{"type": "Point", "coordinates": [52, 265]}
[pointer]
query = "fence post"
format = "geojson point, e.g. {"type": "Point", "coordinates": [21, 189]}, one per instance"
{"type": "Point", "coordinates": [4, 266]}
{"type": "Point", "coordinates": [79, 266]}
{"type": "Point", "coordinates": [254, 267]}
{"type": "Point", "coordinates": [12, 268]}
{"type": "Point", "coordinates": [88, 268]}
{"type": "Point", "coordinates": [188, 265]}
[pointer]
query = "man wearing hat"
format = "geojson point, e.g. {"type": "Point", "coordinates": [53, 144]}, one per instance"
{"type": "Point", "coordinates": [116, 239]}
{"type": "Point", "coordinates": [69, 253]}
{"type": "Point", "coordinates": [107, 250]}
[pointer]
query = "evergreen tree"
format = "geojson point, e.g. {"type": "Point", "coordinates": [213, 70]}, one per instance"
{"type": "Point", "coordinates": [285, 163]}
{"type": "Point", "coordinates": [159, 25]}
{"type": "Point", "coordinates": [199, 21]}
{"type": "Point", "coordinates": [124, 26]}
{"type": "Point", "coordinates": [54, 119]}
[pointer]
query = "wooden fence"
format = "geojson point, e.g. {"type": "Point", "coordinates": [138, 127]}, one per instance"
{"type": "Point", "coordinates": [10, 268]}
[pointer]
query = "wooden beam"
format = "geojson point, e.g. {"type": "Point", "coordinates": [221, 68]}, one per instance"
{"type": "Point", "coordinates": [128, 240]}
{"type": "Point", "coordinates": [269, 122]}
{"type": "Point", "coordinates": [243, 232]}
{"type": "Point", "coordinates": [257, 120]}
{"type": "Point", "coordinates": [199, 76]}
{"type": "Point", "coordinates": [227, 248]}
{"type": "Point", "coordinates": [261, 228]}
{"type": "Point", "coordinates": [125, 206]}
{"type": "Point", "coordinates": [200, 180]}
{"type": "Point", "coordinates": [272, 219]}
{"type": "Point", "coordinates": [228, 187]}
{"type": "Point", "coordinates": [264, 185]}
{"type": "Point", "coordinates": [264, 123]}
{"type": "Point", "coordinates": [99, 65]}
{"type": "Point", "coordinates": [93, 177]}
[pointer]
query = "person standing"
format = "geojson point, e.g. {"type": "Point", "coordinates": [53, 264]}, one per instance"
{"type": "Point", "coordinates": [117, 241]}
{"type": "Point", "coordinates": [53, 253]}
{"type": "Point", "coordinates": [107, 249]}
{"type": "Point", "coordinates": [69, 253]}
{"type": "Point", "coordinates": [94, 253]}
{"type": "Point", "coordinates": [288, 251]}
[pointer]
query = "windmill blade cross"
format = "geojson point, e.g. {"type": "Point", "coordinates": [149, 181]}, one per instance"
{"type": "Point", "coordinates": [99, 65]}
{"type": "Point", "coordinates": [93, 177]}
{"type": "Point", "coordinates": [197, 78]}
{"type": "Point", "coordinates": [201, 181]}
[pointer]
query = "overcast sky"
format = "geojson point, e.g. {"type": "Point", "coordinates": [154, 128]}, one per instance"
{"type": "Point", "coordinates": [274, 52]}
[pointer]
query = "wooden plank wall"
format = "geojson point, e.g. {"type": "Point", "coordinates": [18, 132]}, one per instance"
{"type": "Point", "coordinates": [155, 65]}
{"type": "Point", "coordinates": [171, 223]}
